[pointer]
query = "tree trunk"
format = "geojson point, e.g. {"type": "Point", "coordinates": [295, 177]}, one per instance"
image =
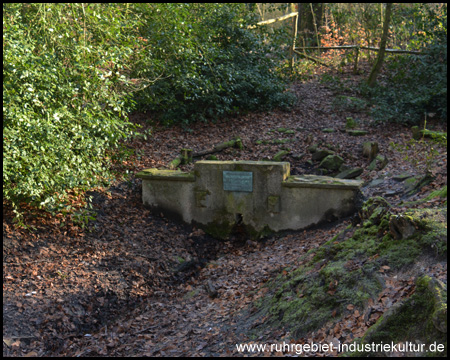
{"type": "Point", "coordinates": [379, 61]}
{"type": "Point", "coordinates": [294, 38]}
{"type": "Point", "coordinates": [306, 19]}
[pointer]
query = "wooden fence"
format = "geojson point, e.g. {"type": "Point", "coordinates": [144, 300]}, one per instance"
{"type": "Point", "coordinates": [294, 50]}
{"type": "Point", "coordinates": [356, 48]}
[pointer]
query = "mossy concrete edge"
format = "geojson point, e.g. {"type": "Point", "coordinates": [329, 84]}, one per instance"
{"type": "Point", "coordinates": [169, 175]}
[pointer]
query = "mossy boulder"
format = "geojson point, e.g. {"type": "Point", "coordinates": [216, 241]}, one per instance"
{"type": "Point", "coordinates": [331, 162]}
{"type": "Point", "coordinates": [321, 154]}
{"type": "Point", "coordinates": [374, 209]}
{"type": "Point", "coordinates": [401, 226]}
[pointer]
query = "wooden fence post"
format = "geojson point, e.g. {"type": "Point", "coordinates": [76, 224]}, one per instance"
{"type": "Point", "coordinates": [294, 37]}
{"type": "Point", "coordinates": [355, 66]}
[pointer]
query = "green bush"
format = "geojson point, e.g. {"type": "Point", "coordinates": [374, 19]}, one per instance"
{"type": "Point", "coordinates": [62, 103]}
{"type": "Point", "coordinates": [209, 63]}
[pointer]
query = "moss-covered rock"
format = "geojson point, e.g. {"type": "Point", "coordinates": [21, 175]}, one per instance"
{"type": "Point", "coordinates": [374, 209]}
{"type": "Point", "coordinates": [321, 154]}
{"type": "Point", "coordinates": [345, 270]}
{"type": "Point", "coordinates": [331, 162]}
{"type": "Point", "coordinates": [350, 123]}
{"type": "Point", "coordinates": [285, 131]}
{"type": "Point", "coordinates": [414, 184]}
{"type": "Point", "coordinates": [401, 227]}
{"type": "Point", "coordinates": [280, 155]}
{"type": "Point", "coordinates": [421, 321]}
{"type": "Point", "coordinates": [378, 163]}
{"type": "Point", "coordinates": [350, 173]}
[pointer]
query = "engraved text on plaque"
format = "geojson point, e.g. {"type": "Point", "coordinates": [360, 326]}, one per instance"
{"type": "Point", "coordinates": [238, 181]}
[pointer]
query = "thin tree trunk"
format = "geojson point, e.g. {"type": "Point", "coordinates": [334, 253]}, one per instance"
{"type": "Point", "coordinates": [294, 37]}
{"type": "Point", "coordinates": [379, 61]}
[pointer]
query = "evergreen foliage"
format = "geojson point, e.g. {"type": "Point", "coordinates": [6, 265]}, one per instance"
{"type": "Point", "coordinates": [61, 108]}
{"type": "Point", "coordinates": [209, 62]}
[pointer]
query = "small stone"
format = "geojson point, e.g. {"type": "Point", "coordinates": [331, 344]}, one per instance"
{"type": "Point", "coordinates": [298, 156]}
{"type": "Point", "coordinates": [312, 148]}
{"type": "Point", "coordinates": [211, 290]}
{"type": "Point", "coordinates": [370, 150]}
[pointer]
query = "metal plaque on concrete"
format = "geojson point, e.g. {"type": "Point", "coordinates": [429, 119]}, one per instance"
{"type": "Point", "coordinates": [238, 181]}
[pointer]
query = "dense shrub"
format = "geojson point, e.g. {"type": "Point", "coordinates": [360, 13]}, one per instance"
{"type": "Point", "coordinates": [208, 62]}
{"type": "Point", "coordinates": [61, 107]}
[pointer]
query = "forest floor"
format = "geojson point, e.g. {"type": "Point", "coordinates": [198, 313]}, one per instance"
{"type": "Point", "coordinates": [134, 283]}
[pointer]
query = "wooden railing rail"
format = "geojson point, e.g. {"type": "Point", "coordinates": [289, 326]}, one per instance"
{"type": "Point", "coordinates": [296, 50]}
{"type": "Point", "coordinates": [357, 49]}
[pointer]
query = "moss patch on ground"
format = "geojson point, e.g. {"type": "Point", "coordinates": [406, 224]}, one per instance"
{"type": "Point", "coordinates": [418, 325]}
{"type": "Point", "coordinates": [345, 270]}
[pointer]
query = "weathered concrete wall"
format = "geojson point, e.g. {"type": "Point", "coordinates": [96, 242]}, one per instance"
{"type": "Point", "coordinates": [169, 191]}
{"type": "Point", "coordinates": [259, 195]}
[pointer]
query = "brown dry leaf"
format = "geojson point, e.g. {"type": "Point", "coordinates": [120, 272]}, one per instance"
{"type": "Point", "coordinates": [375, 316]}
{"type": "Point", "coordinates": [31, 354]}
{"type": "Point", "coordinates": [8, 341]}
